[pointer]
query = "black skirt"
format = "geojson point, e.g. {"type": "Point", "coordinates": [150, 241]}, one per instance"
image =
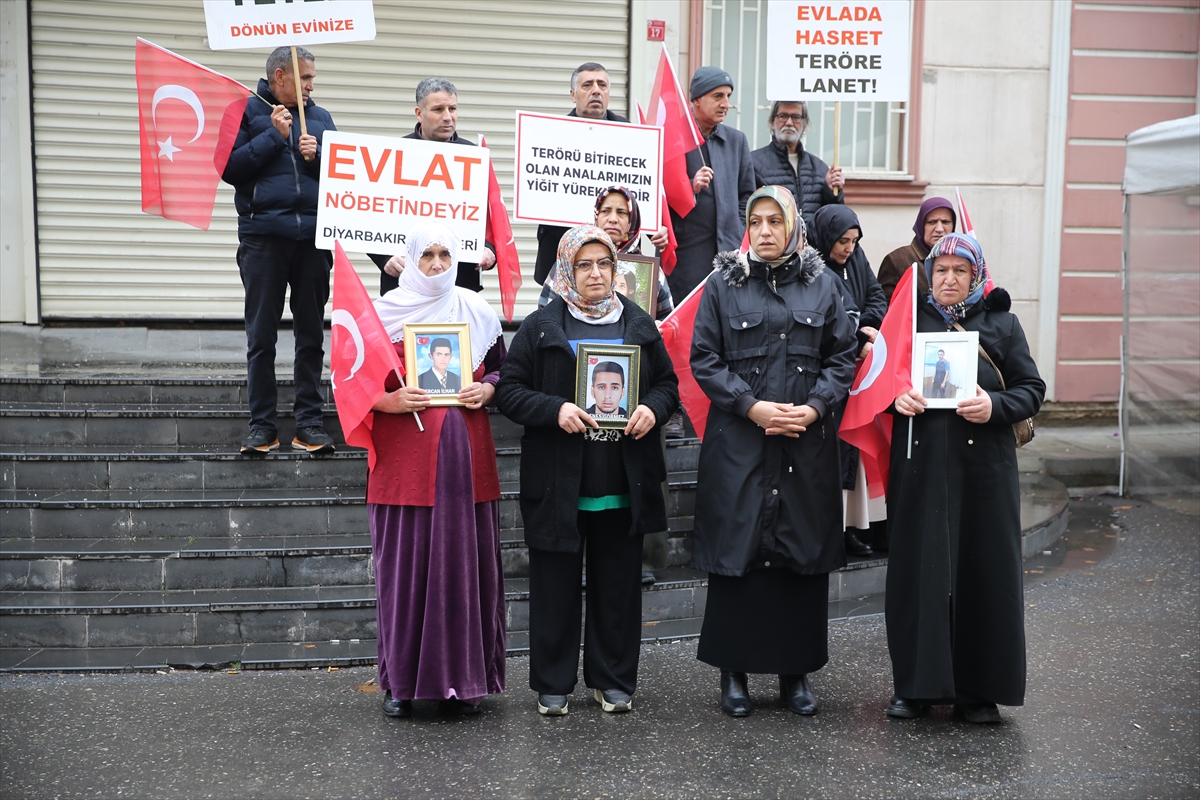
{"type": "Point", "coordinates": [770, 621]}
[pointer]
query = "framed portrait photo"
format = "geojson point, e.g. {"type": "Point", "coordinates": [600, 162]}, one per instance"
{"type": "Point", "coordinates": [944, 366]}
{"type": "Point", "coordinates": [606, 382]}
{"type": "Point", "coordinates": [637, 278]}
{"type": "Point", "coordinates": [437, 358]}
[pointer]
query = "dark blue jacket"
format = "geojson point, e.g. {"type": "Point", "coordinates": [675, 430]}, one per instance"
{"type": "Point", "coordinates": [275, 188]}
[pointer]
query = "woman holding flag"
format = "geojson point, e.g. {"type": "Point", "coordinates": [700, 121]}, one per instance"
{"type": "Point", "coordinates": [773, 348]}
{"type": "Point", "coordinates": [954, 584]}
{"type": "Point", "coordinates": [433, 502]}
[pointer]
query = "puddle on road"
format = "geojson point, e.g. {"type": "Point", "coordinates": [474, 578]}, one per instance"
{"type": "Point", "coordinates": [1091, 536]}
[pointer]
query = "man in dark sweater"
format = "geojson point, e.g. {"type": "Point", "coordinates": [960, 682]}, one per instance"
{"type": "Point", "coordinates": [785, 162]}
{"type": "Point", "coordinates": [437, 121]}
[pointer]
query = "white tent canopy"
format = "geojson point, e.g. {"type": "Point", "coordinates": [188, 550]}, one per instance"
{"type": "Point", "coordinates": [1163, 158]}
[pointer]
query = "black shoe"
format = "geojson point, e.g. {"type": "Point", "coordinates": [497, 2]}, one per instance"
{"type": "Point", "coordinates": [648, 578]}
{"type": "Point", "coordinates": [313, 439]}
{"type": "Point", "coordinates": [260, 442]}
{"type": "Point", "coordinates": [799, 697]}
{"type": "Point", "coordinates": [614, 700]}
{"type": "Point", "coordinates": [735, 698]}
{"type": "Point", "coordinates": [674, 427]}
{"type": "Point", "coordinates": [552, 705]}
{"type": "Point", "coordinates": [396, 708]}
{"type": "Point", "coordinates": [456, 706]}
{"type": "Point", "coordinates": [903, 708]}
{"type": "Point", "coordinates": [854, 547]}
{"type": "Point", "coordinates": [979, 713]}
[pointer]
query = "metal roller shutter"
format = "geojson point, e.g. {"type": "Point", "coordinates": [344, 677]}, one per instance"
{"type": "Point", "coordinates": [101, 257]}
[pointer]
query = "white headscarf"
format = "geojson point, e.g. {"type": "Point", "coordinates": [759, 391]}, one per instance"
{"type": "Point", "coordinates": [435, 298]}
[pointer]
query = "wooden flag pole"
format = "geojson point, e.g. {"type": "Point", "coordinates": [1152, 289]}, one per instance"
{"type": "Point", "coordinates": [837, 135]}
{"type": "Point", "coordinates": [300, 93]}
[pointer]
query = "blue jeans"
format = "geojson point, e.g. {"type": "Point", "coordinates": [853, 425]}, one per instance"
{"type": "Point", "coordinates": [269, 265]}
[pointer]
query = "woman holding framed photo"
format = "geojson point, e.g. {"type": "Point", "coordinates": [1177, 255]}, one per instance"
{"type": "Point", "coordinates": [954, 608]}
{"type": "Point", "coordinates": [433, 495]}
{"type": "Point", "coordinates": [773, 348]}
{"type": "Point", "coordinates": [584, 486]}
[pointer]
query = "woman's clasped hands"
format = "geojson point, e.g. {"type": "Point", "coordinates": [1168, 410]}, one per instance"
{"type": "Point", "coordinates": [782, 419]}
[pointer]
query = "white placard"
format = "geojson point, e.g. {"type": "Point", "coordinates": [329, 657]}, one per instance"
{"type": "Point", "coordinates": [238, 24]}
{"type": "Point", "coordinates": [374, 188]}
{"type": "Point", "coordinates": [839, 51]}
{"type": "Point", "coordinates": [564, 162]}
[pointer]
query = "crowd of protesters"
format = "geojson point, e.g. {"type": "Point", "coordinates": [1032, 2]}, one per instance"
{"type": "Point", "coordinates": [782, 325]}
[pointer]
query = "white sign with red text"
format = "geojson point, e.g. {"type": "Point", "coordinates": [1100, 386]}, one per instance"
{"type": "Point", "coordinates": [236, 24]}
{"type": "Point", "coordinates": [374, 188]}
{"type": "Point", "coordinates": [839, 51]}
{"type": "Point", "coordinates": [564, 162]}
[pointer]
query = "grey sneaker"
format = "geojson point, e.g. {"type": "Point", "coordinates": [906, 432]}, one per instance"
{"type": "Point", "coordinates": [614, 700]}
{"type": "Point", "coordinates": [260, 442]}
{"type": "Point", "coordinates": [552, 705]}
{"type": "Point", "coordinates": [313, 439]}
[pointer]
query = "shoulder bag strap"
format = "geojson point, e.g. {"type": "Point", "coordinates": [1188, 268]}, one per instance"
{"type": "Point", "coordinates": [986, 358]}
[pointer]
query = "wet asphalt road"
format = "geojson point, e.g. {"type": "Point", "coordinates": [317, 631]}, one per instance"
{"type": "Point", "coordinates": [1113, 710]}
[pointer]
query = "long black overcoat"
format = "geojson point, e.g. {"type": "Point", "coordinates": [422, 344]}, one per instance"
{"type": "Point", "coordinates": [954, 608]}
{"type": "Point", "coordinates": [782, 337]}
{"type": "Point", "coordinates": [538, 376]}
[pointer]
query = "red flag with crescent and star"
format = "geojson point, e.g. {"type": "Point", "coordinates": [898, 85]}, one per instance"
{"type": "Point", "coordinates": [881, 377]}
{"type": "Point", "coordinates": [361, 356]}
{"type": "Point", "coordinates": [670, 110]}
{"type": "Point", "coordinates": [500, 234]}
{"type": "Point", "coordinates": [186, 134]}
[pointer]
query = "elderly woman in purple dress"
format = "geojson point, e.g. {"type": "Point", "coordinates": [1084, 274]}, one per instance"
{"type": "Point", "coordinates": [433, 502]}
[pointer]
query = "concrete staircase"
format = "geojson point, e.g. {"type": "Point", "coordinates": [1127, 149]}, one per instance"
{"type": "Point", "coordinates": [135, 537]}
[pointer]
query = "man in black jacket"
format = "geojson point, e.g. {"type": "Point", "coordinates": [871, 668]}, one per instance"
{"type": "Point", "coordinates": [590, 91]}
{"type": "Point", "coordinates": [275, 172]}
{"type": "Point", "coordinates": [785, 162]}
{"type": "Point", "coordinates": [437, 121]}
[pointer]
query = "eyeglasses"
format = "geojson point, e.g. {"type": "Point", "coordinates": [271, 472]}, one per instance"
{"type": "Point", "coordinates": [792, 117]}
{"type": "Point", "coordinates": [605, 265]}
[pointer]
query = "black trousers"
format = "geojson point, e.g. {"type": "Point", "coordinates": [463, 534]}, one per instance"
{"type": "Point", "coordinates": [613, 628]}
{"type": "Point", "coordinates": [269, 265]}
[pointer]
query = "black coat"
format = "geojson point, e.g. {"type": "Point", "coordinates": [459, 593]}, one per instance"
{"type": "Point", "coordinates": [807, 183]}
{"type": "Point", "coordinates": [468, 271]}
{"type": "Point", "coordinates": [538, 376]}
{"type": "Point", "coordinates": [955, 614]}
{"type": "Point", "coordinates": [770, 498]}
{"type": "Point", "coordinates": [275, 189]}
{"type": "Point", "coordinates": [548, 236]}
{"type": "Point", "coordinates": [862, 295]}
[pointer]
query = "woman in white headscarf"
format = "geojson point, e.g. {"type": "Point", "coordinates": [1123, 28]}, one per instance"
{"type": "Point", "coordinates": [433, 502]}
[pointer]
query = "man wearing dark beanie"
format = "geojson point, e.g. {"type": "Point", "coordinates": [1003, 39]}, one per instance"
{"type": "Point", "coordinates": [723, 179]}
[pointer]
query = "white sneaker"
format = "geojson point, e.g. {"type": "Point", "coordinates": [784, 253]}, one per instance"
{"type": "Point", "coordinates": [552, 705]}
{"type": "Point", "coordinates": [614, 700]}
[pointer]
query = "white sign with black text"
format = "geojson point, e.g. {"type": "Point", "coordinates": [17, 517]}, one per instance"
{"type": "Point", "coordinates": [563, 163]}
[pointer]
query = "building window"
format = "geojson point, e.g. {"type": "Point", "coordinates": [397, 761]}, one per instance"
{"type": "Point", "coordinates": [874, 136]}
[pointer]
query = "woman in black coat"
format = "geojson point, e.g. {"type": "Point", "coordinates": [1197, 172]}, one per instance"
{"type": "Point", "coordinates": [837, 236]}
{"type": "Point", "coordinates": [954, 609]}
{"type": "Point", "coordinates": [583, 487]}
{"type": "Point", "coordinates": [773, 349]}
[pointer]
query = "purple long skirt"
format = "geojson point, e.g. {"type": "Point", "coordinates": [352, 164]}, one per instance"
{"type": "Point", "coordinates": [440, 587]}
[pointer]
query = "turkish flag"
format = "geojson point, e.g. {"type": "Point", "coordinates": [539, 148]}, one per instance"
{"type": "Point", "coordinates": [186, 134]}
{"type": "Point", "coordinates": [499, 233]}
{"type": "Point", "coordinates": [964, 222]}
{"type": "Point", "coordinates": [361, 357]}
{"type": "Point", "coordinates": [667, 253]}
{"type": "Point", "coordinates": [677, 336]}
{"type": "Point", "coordinates": [669, 110]}
{"type": "Point", "coordinates": [883, 375]}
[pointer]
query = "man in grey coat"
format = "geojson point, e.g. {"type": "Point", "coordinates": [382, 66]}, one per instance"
{"type": "Point", "coordinates": [722, 176]}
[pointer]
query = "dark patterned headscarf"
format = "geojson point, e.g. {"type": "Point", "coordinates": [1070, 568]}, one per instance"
{"type": "Point", "coordinates": [635, 216]}
{"type": "Point", "coordinates": [964, 246]}
{"type": "Point", "coordinates": [562, 279]}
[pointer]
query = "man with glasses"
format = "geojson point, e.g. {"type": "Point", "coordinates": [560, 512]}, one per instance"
{"type": "Point", "coordinates": [785, 162]}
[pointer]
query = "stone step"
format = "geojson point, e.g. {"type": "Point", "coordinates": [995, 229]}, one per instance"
{"type": "Point", "coordinates": [193, 618]}
{"type": "Point", "coordinates": [133, 390]}
{"type": "Point", "coordinates": [171, 467]}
